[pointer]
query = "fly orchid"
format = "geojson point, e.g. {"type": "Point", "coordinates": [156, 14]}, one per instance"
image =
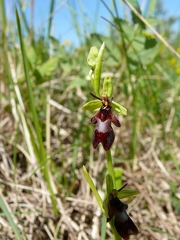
{"type": "Point", "coordinates": [113, 209]}
{"type": "Point", "coordinates": [103, 132]}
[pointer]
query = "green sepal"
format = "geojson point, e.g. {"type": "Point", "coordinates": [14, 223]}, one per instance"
{"type": "Point", "coordinates": [127, 193]}
{"type": "Point", "coordinates": [92, 57]}
{"type": "Point", "coordinates": [107, 87]}
{"type": "Point", "coordinates": [93, 105]}
{"type": "Point", "coordinates": [118, 108]}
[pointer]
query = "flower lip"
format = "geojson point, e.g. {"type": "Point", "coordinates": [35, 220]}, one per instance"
{"type": "Point", "coordinates": [117, 209]}
{"type": "Point", "coordinates": [103, 132]}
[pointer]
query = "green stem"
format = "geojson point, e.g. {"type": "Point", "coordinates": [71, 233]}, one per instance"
{"type": "Point", "coordinates": [110, 166]}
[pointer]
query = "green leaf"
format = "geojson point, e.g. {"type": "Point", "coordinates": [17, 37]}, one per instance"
{"type": "Point", "coordinates": [31, 55]}
{"type": "Point", "coordinates": [93, 105]}
{"type": "Point", "coordinates": [152, 21]}
{"type": "Point", "coordinates": [135, 4]}
{"type": "Point", "coordinates": [146, 56]}
{"type": "Point", "coordinates": [150, 41]}
{"type": "Point", "coordinates": [118, 108]}
{"type": "Point", "coordinates": [143, 41]}
{"type": "Point", "coordinates": [135, 19]}
{"type": "Point", "coordinates": [59, 49]}
{"type": "Point", "coordinates": [138, 43]}
{"type": "Point", "coordinates": [107, 87]}
{"type": "Point", "coordinates": [92, 57]}
{"type": "Point", "coordinates": [78, 82]}
{"type": "Point", "coordinates": [128, 29]}
{"type": "Point", "coordinates": [47, 68]}
{"type": "Point", "coordinates": [93, 188]}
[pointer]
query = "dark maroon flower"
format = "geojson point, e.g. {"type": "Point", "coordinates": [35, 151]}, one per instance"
{"type": "Point", "coordinates": [103, 132]}
{"type": "Point", "coordinates": [122, 222]}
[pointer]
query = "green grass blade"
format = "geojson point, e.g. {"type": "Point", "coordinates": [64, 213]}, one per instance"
{"type": "Point", "coordinates": [42, 152]}
{"type": "Point", "coordinates": [23, 16]}
{"type": "Point", "coordinates": [50, 19]}
{"type": "Point", "coordinates": [4, 208]}
{"type": "Point", "coordinates": [28, 81]}
{"type": "Point", "coordinates": [103, 228]}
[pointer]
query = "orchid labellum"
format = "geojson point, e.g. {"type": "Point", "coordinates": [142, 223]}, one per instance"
{"type": "Point", "coordinates": [122, 222]}
{"type": "Point", "coordinates": [103, 132]}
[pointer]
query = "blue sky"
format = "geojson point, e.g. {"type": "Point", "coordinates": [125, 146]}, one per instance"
{"type": "Point", "coordinates": [87, 13]}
